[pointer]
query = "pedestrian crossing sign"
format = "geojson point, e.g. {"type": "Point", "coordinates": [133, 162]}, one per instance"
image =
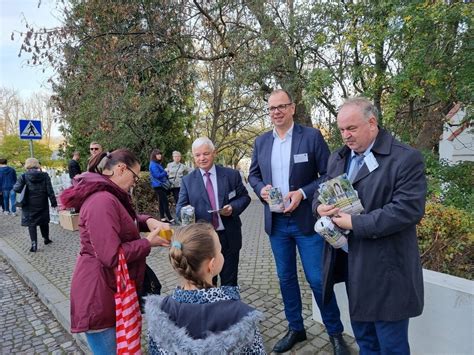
{"type": "Point", "coordinates": [30, 129]}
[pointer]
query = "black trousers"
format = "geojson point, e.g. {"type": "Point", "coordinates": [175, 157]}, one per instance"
{"type": "Point", "coordinates": [44, 228]}
{"type": "Point", "coordinates": [175, 191]}
{"type": "Point", "coordinates": [230, 270]}
{"type": "Point", "coordinates": [163, 203]}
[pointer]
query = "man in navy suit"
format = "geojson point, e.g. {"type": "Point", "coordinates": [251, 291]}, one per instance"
{"type": "Point", "coordinates": [294, 158]}
{"type": "Point", "coordinates": [220, 190]}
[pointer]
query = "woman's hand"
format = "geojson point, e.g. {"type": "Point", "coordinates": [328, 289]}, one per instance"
{"type": "Point", "coordinates": [154, 224]}
{"type": "Point", "coordinates": [155, 240]}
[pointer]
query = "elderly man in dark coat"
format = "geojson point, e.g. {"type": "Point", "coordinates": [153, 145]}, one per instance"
{"type": "Point", "coordinates": [382, 267]}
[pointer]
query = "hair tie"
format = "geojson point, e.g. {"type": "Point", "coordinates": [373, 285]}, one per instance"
{"type": "Point", "coordinates": [176, 244]}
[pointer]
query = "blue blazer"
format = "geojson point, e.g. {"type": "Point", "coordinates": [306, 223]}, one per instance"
{"type": "Point", "coordinates": [305, 175]}
{"type": "Point", "coordinates": [230, 191]}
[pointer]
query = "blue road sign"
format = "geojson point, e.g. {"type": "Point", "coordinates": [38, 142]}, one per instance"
{"type": "Point", "coordinates": [30, 129]}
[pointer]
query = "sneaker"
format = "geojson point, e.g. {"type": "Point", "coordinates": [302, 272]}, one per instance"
{"type": "Point", "coordinates": [6, 213]}
{"type": "Point", "coordinates": [13, 214]}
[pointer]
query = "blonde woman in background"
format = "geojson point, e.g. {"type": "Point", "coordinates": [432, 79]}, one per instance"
{"type": "Point", "coordinates": [35, 208]}
{"type": "Point", "coordinates": [176, 170]}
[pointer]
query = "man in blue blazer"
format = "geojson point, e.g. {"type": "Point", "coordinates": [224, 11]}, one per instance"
{"type": "Point", "coordinates": [214, 188]}
{"type": "Point", "coordinates": [293, 158]}
{"type": "Point", "coordinates": [383, 275]}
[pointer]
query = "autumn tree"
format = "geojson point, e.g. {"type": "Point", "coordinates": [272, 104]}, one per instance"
{"type": "Point", "coordinates": [135, 73]}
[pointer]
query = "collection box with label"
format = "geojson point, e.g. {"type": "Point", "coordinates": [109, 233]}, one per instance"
{"type": "Point", "coordinates": [69, 220]}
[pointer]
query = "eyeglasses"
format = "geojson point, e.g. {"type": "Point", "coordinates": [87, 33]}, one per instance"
{"type": "Point", "coordinates": [279, 108]}
{"type": "Point", "coordinates": [92, 148]}
{"type": "Point", "coordinates": [136, 178]}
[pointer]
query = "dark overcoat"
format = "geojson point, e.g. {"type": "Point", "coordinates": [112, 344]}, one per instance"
{"type": "Point", "coordinates": [384, 274]}
{"type": "Point", "coordinates": [35, 209]}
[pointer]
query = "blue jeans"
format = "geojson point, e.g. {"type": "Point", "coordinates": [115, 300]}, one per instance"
{"type": "Point", "coordinates": [284, 239]}
{"type": "Point", "coordinates": [9, 199]}
{"type": "Point", "coordinates": [102, 343]}
{"type": "Point", "coordinates": [382, 338]}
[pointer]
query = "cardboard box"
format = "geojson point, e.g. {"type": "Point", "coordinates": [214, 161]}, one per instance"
{"type": "Point", "coordinates": [68, 220]}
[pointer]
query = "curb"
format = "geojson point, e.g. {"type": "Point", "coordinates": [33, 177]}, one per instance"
{"type": "Point", "coordinates": [49, 294]}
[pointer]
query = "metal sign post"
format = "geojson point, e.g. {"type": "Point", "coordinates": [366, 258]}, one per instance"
{"type": "Point", "coordinates": [30, 129]}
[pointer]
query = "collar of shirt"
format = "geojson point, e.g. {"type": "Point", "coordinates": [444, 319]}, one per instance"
{"type": "Point", "coordinates": [288, 133]}
{"type": "Point", "coordinates": [367, 151]}
{"type": "Point", "coordinates": [212, 170]}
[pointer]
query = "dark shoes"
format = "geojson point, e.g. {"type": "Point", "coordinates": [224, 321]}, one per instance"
{"type": "Point", "coordinates": [289, 340]}
{"type": "Point", "coordinates": [339, 345]}
{"type": "Point", "coordinates": [33, 247]}
{"type": "Point", "coordinates": [47, 241]}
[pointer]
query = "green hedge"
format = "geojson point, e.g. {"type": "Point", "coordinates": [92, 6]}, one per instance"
{"type": "Point", "coordinates": [144, 197]}
{"type": "Point", "coordinates": [446, 240]}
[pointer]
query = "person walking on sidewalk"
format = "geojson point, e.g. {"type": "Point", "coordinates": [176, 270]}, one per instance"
{"type": "Point", "coordinates": [7, 181]}
{"type": "Point", "coordinates": [293, 158]}
{"type": "Point", "coordinates": [107, 222]}
{"type": "Point", "coordinates": [35, 208]}
{"type": "Point", "coordinates": [199, 318]}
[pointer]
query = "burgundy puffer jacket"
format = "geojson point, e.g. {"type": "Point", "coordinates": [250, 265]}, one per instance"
{"type": "Point", "coordinates": [106, 222]}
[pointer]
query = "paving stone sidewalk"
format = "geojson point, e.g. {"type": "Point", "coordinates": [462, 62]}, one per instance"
{"type": "Point", "coordinates": [27, 326]}
{"type": "Point", "coordinates": [49, 271]}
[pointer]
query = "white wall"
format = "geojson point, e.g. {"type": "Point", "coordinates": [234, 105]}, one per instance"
{"type": "Point", "coordinates": [462, 147]}
{"type": "Point", "coordinates": [446, 325]}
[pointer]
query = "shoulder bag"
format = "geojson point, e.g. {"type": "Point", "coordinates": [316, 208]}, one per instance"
{"type": "Point", "coordinates": [21, 198]}
{"type": "Point", "coordinates": [151, 286]}
{"type": "Point", "coordinates": [128, 319]}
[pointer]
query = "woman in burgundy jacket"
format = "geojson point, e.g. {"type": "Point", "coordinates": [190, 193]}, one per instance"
{"type": "Point", "coordinates": [107, 221]}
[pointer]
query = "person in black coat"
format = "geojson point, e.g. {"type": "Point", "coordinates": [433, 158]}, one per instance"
{"type": "Point", "coordinates": [384, 278]}
{"type": "Point", "coordinates": [35, 209]}
{"type": "Point", "coordinates": [73, 166]}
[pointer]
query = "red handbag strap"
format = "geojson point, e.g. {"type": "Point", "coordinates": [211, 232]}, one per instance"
{"type": "Point", "coordinates": [122, 271]}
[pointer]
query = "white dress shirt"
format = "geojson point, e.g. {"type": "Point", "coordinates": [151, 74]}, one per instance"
{"type": "Point", "coordinates": [280, 161]}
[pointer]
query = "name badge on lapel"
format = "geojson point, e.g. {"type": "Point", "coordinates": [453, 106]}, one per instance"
{"type": "Point", "coordinates": [232, 194]}
{"type": "Point", "coordinates": [371, 162]}
{"type": "Point", "coordinates": [300, 158]}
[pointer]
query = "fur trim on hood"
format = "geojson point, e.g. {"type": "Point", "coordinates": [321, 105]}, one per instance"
{"type": "Point", "coordinates": [87, 184]}
{"type": "Point", "coordinates": [167, 336]}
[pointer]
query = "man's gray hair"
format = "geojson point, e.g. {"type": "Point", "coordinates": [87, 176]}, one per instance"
{"type": "Point", "coordinates": [367, 107]}
{"type": "Point", "coordinates": [202, 141]}
{"type": "Point", "coordinates": [175, 152]}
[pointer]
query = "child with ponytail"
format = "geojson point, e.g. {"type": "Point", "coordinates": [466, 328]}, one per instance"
{"type": "Point", "coordinates": [199, 318]}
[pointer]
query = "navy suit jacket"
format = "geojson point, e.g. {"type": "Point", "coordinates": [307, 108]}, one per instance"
{"type": "Point", "coordinates": [305, 175]}
{"type": "Point", "coordinates": [230, 191]}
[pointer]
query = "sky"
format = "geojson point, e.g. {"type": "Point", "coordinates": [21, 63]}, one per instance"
{"type": "Point", "coordinates": [14, 71]}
